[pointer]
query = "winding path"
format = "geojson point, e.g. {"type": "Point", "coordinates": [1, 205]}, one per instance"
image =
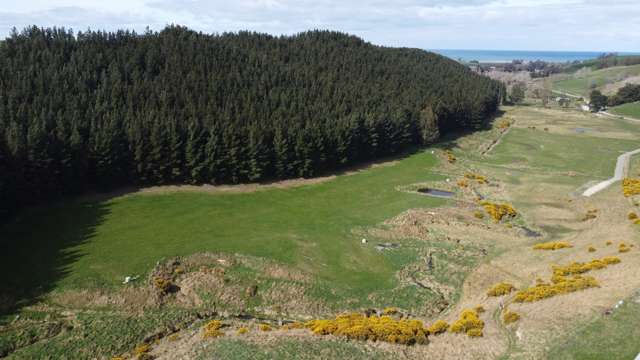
{"type": "Point", "coordinates": [622, 168]}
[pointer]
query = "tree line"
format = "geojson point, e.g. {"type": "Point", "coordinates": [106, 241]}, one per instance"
{"type": "Point", "coordinates": [626, 94]}
{"type": "Point", "coordinates": [96, 110]}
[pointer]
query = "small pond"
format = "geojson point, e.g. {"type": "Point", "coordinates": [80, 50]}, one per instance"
{"type": "Point", "coordinates": [436, 192]}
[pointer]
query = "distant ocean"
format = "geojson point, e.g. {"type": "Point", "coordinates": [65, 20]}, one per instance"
{"type": "Point", "coordinates": [501, 56]}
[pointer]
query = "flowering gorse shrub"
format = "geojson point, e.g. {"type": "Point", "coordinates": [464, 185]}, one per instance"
{"type": "Point", "coordinates": [212, 329]}
{"type": "Point", "coordinates": [468, 323]}
{"type": "Point", "coordinates": [376, 328]}
{"type": "Point", "coordinates": [552, 245]}
{"type": "Point", "coordinates": [630, 187]}
{"type": "Point", "coordinates": [498, 211]}
{"type": "Point", "coordinates": [510, 317]}
{"type": "Point", "coordinates": [560, 285]}
{"type": "Point", "coordinates": [500, 289]}
{"type": "Point", "coordinates": [438, 327]}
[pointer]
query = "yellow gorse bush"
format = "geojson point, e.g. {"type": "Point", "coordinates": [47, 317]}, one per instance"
{"type": "Point", "coordinates": [632, 216]}
{"type": "Point", "coordinates": [265, 327]}
{"type": "Point", "coordinates": [438, 327]}
{"type": "Point", "coordinates": [552, 245]}
{"type": "Point", "coordinates": [376, 328]}
{"type": "Point", "coordinates": [500, 289]}
{"type": "Point", "coordinates": [242, 331]}
{"type": "Point", "coordinates": [580, 268]}
{"type": "Point", "coordinates": [623, 248]}
{"type": "Point", "coordinates": [510, 317]}
{"type": "Point", "coordinates": [630, 187]}
{"type": "Point", "coordinates": [560, 285]}
{"type": "Point", "coordinates": [450, 157]}
{"type": "Point", "coordinates": [212, 329]}
{"type": "Point", "coordinates": [142, 349]}
{"type": "Point", "coordinates": [468, 323]}
{"type": "Point", "coordinates": [498, 211]}
{"type": "Point", "coordinates": [480, 179]}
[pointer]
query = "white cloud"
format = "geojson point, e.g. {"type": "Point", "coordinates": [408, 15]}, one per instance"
{"type": "Point", "coordinates": [480, 24]}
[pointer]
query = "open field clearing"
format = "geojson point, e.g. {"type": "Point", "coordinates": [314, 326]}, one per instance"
{"type": "Point", "coordinates": [262, 258]}
{"type": "Point", "coordinates": [607, 80]}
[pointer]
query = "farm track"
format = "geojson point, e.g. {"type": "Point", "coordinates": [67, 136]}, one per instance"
{"type": "Point", "coordinates": [622, 168]}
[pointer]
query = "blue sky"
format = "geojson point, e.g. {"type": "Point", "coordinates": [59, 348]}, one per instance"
{"type": "Point", "coordinates": [596, 25]}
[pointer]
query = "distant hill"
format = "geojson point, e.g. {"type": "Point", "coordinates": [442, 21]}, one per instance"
{"type": "Point", "coordinates": [100, 110]}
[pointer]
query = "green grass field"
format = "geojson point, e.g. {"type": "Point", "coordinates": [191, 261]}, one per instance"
{"type": "Point", "coordinates": [630, 110]}
{"type": "Point", "coordinates": [582, 83]}
{"type": "Point", "coordinates": [96, 244]}
{"type": "Point", "coordinates": [611, 337]}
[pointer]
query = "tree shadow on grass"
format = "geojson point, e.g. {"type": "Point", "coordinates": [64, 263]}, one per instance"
{"type": "Point", "coordinates": [38, 246]}
{"type": "Point", "coordinates": [448, 140]}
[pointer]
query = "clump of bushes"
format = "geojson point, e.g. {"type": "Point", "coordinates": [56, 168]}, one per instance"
{"type": "Point", "coordinates": [376, 328]}
{"type": "Point", "coordinates": [438, 327]}
{"type": "Point", "coordinates": [265, 327]}
{"type": "Point", "coordinates": [591, 249]}
{"type": "Point", "coordinates": [580, 268]}
{"type": "Point", "coordinates": [632, 216]}
{"type": "Point", "coordinates": [468, 323]}
{"type": "Point", "coordinates": [212, 329]}
{"type": "Point", "coordinates": [498, 211]}
{"type": "Point", "coordinates": [504, 124]}
{"type": "Point", "coordinates": [450, 157]}
{"type": "Point", "coordinates": [478, 214]}
{"type": "Point", "coordinates": [552, 245]}
{"type": "Point", "coordinates": [390, 311]}
{"type": "Point", "coordinates": [630, 187]}
{"type": "Point", "coordinates": [510, 317]}
{"type": "Point", "coordinates": [243, 330]}
{"type": "Point", "coordinates": [623, 248]}
{"type": "Point", "coordinates": [500, 289]}
{"type": "Point", "coordinates": [560, 285]}
{"type": "Point", "coordinates": [163, 284]}
{"type": "Point", "coordinates": [591, 214]}
{"type": "Point", "coordinates": [480, 179]}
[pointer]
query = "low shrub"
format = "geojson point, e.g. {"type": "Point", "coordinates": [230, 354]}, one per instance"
{"type": "Point", "coordinates": [162, 284]}
{"type": "Point", "coordinates": [212, 329]}
{"type": "Point", "coordinates": [630, 187]}
{"type": "Point", "coordinates": [463, 183]}
{"type": "Point", "coordinates": [468, 323]}
{"type": "Point", "coordinates": [580, 268]}
{"type": "Point", "coordinates": [142, 349]}
{"type": "Point", "coordinates": [242, 331]}
{"type": "Point", "coordinates": [438, 327]}
{"type": "Point", "coordinates": [560, 285]}
{"type": "Point", "coordinates": [591, 249]}
{"type": "Point", "coordinates": [478, 214]}
{"type": "Point", "coordinates": [632, 216]}
{"type": "Point", "coordinates": [591, 214]}
{"type": "Point", "coordinates": [498, 211]}
{"type": "Point", "coordinates": [500, 289]}
{"type": "Point", "coordinates": [265, 327]}
{"type": "Point", "coordinates": [450, 157]}
{"type": "Point", "coordinates": [510, 317]}
{"type": "Point", "coordinates": [552, 245]}
{"type": "Point", "coordinates": [293, 325]}
{"type": "Point", "coordinates": [609, 242]}
{"type": "Point", "coordinates": [480, 179]}
{"type": "Point", "coordinates": [479, 309]}
{"type": "Point", "coordinates": [623, 248]}
{"type": "Point", "coordinates": [375, 328]}
{"type": "Point", "coordinates": [504, 124]}
{"type": "Point", "coordinates": [390, 311]}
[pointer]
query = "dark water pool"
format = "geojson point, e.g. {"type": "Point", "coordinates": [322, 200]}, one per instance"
{"type": "Point", "coordinates": [436, 192]}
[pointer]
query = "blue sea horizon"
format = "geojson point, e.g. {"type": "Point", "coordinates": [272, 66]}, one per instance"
{"type": "Point", "coordinates": [502, 56]}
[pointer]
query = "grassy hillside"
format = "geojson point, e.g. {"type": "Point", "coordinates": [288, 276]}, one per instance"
{"type": "Point", "coordinates": [99, 243]}
{"type": "Point", "coordinates": [630, 110]}
{"type": "Point", "coordinates": [582, 82]}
